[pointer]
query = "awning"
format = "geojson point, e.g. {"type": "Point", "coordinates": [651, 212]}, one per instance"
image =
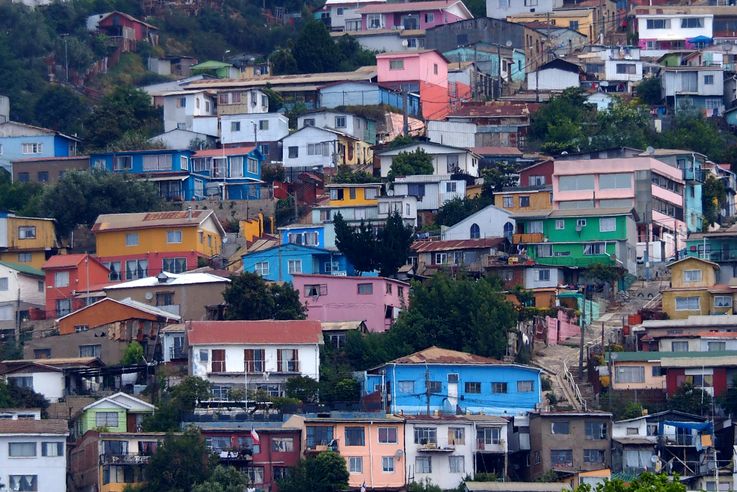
{"type": "Point", "coordinates": [167, 178]}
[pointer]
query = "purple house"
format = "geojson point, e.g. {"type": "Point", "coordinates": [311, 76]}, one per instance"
{"type": "Point", "coordinates": [412, 15]}
{"type": "Point", "coordinates": [375, 300]}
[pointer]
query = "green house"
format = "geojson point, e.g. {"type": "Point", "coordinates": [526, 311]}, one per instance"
{"type": "Point", "coordinates": [120, 412]}
{"type": "Point", "coordinates": [578, 238]}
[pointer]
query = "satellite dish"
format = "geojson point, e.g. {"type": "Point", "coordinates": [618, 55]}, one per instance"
{"type": "Point", "coordinates": [508, 44]}
{"type": "Point", "coordinates": [654, 459]}
{"type": "Point", "coordinates": [149, 295]}
{"type": "Point", "coordinates": [399, 454]}
{"type": "Point", "coordinates": [405, 43]}
{"type": "Point", "coordinates": [650, 150]}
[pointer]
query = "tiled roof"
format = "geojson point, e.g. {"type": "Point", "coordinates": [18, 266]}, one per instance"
{"type": "Point", "coordinates": [142, 220]}
{"type": "Point", "coordinates": [437, 355]}
{"type": "Point", "coordinates": [456, 244]}
{"type": "Point", "coordinates": [222, 152]}
{"type": "Point", "coordinates": [254, 332]}
{"type": "Point", "coordinates": [44, 426]}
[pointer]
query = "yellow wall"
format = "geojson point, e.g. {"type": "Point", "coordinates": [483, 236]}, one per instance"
{"type": "Point", "coordinates": [208, 243]}
{"type": "Point", "coordinates": [559, 18]}
{"type": "Point", "coordinates": [362, 152]}
{"type": "Point", "coordinates": [651, 382]}
{"type": "Point", "coordinates": [669, 302]}
{"type": "Point", "coordinates": [360, 198]}
{"type": "Point", "coordinates": [252, 228]}
{"type": "Point", "coordinates": [708, 273]}
{"type": "Point", "coordinates": [38, 258]}
{"type": "Point", "coordinates": [45, 240]}
{"type": "Point", "coordinates": [539, 200]}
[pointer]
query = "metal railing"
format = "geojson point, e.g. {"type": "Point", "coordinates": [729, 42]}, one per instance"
{"type": "Point", "coordinates": [124, 459]}
{"type": "Point", "coordinates": [574, 386]}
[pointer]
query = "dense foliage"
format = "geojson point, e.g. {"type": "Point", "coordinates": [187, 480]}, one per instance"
{"type": "Point", "coordinates": [176, 402]}
{"type": "Point", "coordinates": [326, 472]}
{"type": "Point", "coordinates": [457, 209]}
{"type": "Point", "coordinates": [410, 163]}
{"type": "Point", "coordinates": [250, 297]}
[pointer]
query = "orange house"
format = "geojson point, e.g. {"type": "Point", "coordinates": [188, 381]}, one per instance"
{"type": "Point", "coordinates": [67, 277]}
{"type": "Point", "coordinates": [143, 318]}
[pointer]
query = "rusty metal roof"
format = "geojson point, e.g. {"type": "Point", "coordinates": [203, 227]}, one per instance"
{"type": "Point", "coordinates": [437, 355]}
{"type": "Point", "coordinates": [456, 244]}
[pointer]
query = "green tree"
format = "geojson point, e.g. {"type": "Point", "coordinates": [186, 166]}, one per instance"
{"type": "Point", "coordinates": [175, 403]}
{"type": "Point", "coordinates": [81, 196]}
{"type": "Point", "coordinates": [223, 479]}
{"type": "Point", "coordinates": [302, 388]}
{"type": "Point", "coordinates": [179, 462]}
{"type": "Point", "coordinates": [645, 482]}
{"type": "Point", "coordinates": [352, 54]}
{"type": "Point", "coordinates": [604, 274]}
{"type": "Point", "coordinates": [691, 131]}
{"type": "Point", "coordinates": [133, 354]}
{"type": "Point", "coordinates": [690, 400]}
{"type": "Point", "coordinates": [61, 109]}
{"type": "Point", "coordinates": [393, 245]}
{"type": "Point", "coordinates": [326, 472]}
{"type": "Point", "coordinates": [410, 163]}
{"type": "Point", "coordinates": [623, 124]}
{"type": "Point", "coordinates": [283, 62]}
{"type": "Point", "coordinates": [315, 50]}
{"type": "Point", "coordinates": [249, 297]}
{"type": "Point", "coordinates": [501, 175]}
{"type": "Point", "coordinates": [272, 172]}
{"type": "Point", "coordinates": [351, 175]}
{"type": "Point", "coordinates": [558, 125]}
{"type": "Point", "coordinates": [649, 91]}
{"type": "Point", "coordinates": [457, 209]}
{"type": "Point", "coordinates": [358, 244]}
{"type": "Point", "coordinates": [713, 196]}
{"type": "Point", "coordinates": [23, 198]}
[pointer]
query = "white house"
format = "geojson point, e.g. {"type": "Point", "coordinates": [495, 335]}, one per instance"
{"type": "Point", "coordinates": [455, 133]}
{"type": "Point", "coordinates": [351, 124]}
{"type": "Point", "coordinates": [666, 29]}
{"type": "Point", "coordinates": [34, 455]}
{"type": "Point", "coordinates": [42, 378]}
{"type": "Point", "coordinates": [173, 342]}
{"type": "Point", "coordinates": [698, 87]}
{"type": "Point", "coordinates": [258, 355]}
{"type": "Point", "coordinates": [340, 11]}
{"type": "Point", "coordinates": [21, 288]}
{"type": "Point", "coordinates": [500, 9]}
{"type": "Point", "coordinates": [311, 147]}
{"type": "Point", "coordinates": [247, 129]}
{"type": "Point", "coordinates": [445, 159]}
{"type": "Point", "coordinates": [20, 414]}
{"type": "Point", "coordinates": [490, 221]}
{"type": "Point", "coordinates": [622, 64]}
{"type": "Point", "coordinates": [542, 277]}
{"type": "Point", "coordinates": [556, 75]}
{"type": "Point", "coordinates": [182, 139]}
{"type": "Point", "coordinates": [406, 206]}
{"type": "Point", "coordinates": [181, 107]}
{"type": "Point", "coordinates": [432, 191]}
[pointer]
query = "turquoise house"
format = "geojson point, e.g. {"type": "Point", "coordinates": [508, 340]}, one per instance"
{"type": "Point", "coordinates": [486, 57]}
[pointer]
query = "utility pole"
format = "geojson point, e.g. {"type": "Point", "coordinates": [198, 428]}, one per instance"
{"type": "Point", "coordinates": [427, 389]}
{"type": "Point", "coordinates": [405, 117]}
{"type": "Point", "coordinates": [66, 58]}
{"type": "Point", "coordinates": [583, 328]}
{"type": "Point", "coordinates": [499, 71]}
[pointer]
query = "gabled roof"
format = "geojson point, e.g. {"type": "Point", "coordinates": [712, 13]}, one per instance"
{"type": "Point", "coordinates": [264, 332]}
{"type": "Point", "coordinates": [437, 355]}
{"type": "Point", "coordinates": [23, 269]}
{"type": "Point", "coordinates": [456, 244]}
{"type": "Point", "coordinates": [385, 8]}
{"type": "Point", "coordinates": [414, 145]}
{"type": "Point", "coordinates": [494, 109]}
{"type": "Point", "coordinates": [43, 426]}
{"type": "Point", "coordinates": [145, 308]}
{"type": "Point", "coordinates": [104, 16]}
{"type": "Point", "coordinates": [46, 131]}
{"type": "Point", "coordinates": [125, 401]}
{"type": "Point", "coordinates": [187, 278]}
{"type": "Point", "coordinates": [323, 129]}
{"type": "Point", "coordinates": [694, 258]}
{"type": "Point", "coordinates": [69, 261]}
{"type": "Point", "coordinates": [561, 64]}
{"type": "Point", "coordinates": [52, 364]}
{"type": "Point", "coordinates": [151, 220]}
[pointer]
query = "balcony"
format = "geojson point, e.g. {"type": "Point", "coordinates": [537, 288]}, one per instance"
{"type": "Point", "coordinates": [490, 447]}
{"type": "Point", "coordinates": [235, 454]}
{"type": "Point", "coordinates": [578, 261]}
{"type": "Point", "coordinates": [177, 353]}
{"type": "Point", "coordinates": [528, 238]}
{"type": "Point", "coordinates": [433, 447]}
{"type": "Point", "coordinates": [124, 459]}
{"type": "Point", "coordinates": [693, 175]}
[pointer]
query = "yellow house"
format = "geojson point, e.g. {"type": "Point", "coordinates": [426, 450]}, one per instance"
{"type": "Point", "coordinates": [143, 244]}
{"type": "Point", "coordinates": [27, 240]}
{"type": "Point", "coordinates": [694, 290]}
{"type": "Point", "coordinates": [520, 200]}
{"type": "Point", "coordinates": [581, 20]}
{"type": "Point", "coordinates": [352, 195]}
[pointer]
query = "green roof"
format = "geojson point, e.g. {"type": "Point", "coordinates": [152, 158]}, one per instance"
{"type": "Point", "coordinates": [23, 268]}
{"type": "Point", "coordinates": [210, 65]}
{"type": "Point", "coordinates": [645, 356]}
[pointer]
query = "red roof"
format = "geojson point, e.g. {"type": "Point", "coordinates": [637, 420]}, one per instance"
{"type": "Point", "coordinates": [456, 244]}
{"type": "Point", "coordinates": [405, 7]}
{"type": "Point", "coordinates": [67, 261]}
{"type": "Point", "coordinates": [254, 332]}
{"type": "Point", "coordinates": [222, 152]}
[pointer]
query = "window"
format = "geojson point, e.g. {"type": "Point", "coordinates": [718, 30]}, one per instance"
{"type": "Point", "coordinates": [174, 265]}
{"type": "Point", "coordinates": [426, 435]}
{"type": "Point", "coordinates": [355, 436]}
{"type": "Point", "coordinates": [156, 162]}
{"type": "Point", "coordinates": [315, 290]}
{"type": "Point", "coordinates": [293, 152]}
{"type": "Point", "coordinates": [387, 435]}
{"type": "Point", "coordinates": [692, 275]}
{"type": "Point", "coordinates": [629, 374]}
{"type": "Point", "coordinates": [63, 307]}
{"type": "Point", "coordinates": [544, 250]}
{"type": "Point", "coordinates": [165, 298]}
{"type": "Point", "coordinates": [387, 464]}
{"type": "Point", "coordinates": [435, 68]}
{"type": "Point", "coordinates": [573, 25]}
{"type": "Point", "coordinates": [294, 266]}
{"type": "Point", "coordinates": [23, 483]}
{"type": "Point", "coordinates": [365, 289]}
{"type": "Point", "coordinates": [560, 427]}
{"type": "Point", "coordinates": [688, 304]}
{"type": "Point", "coordinates": [423, 464]}
{"type": "Point", "coordinates": [575, 183]}
{"type": "Point", "coordinates": [524, 201]}
{"type": "Point", "coordinates": [561, 457]}
{"type": "Point", "coordinates": [24, 177]}
{"type": "Point", "coordinates": [27, 232]}
{"type": "Point", "coordinates": [89, 350]}
{"type": "Point", "coordinates": [61, 279]}
{"type": "Point", "coordinates": [472, 387]}
{"type": "Point", "coordinates": [406, 386]}
{"type": "Point", "coordinates": [355, 464]}
{"type": "Point", "coordinates": [498, 387]}
{"type": "Point", "coordinates": [592, 249]}
{"type": "Point", "coordinates": [43, 176]}
{"type": "Point", "coordinates": [456, 464]}
{"type": "Point", "coordinates": [131, 239]}
{"type": "Point", "coordinates": [525, 386]}
{"type": "Point", "coordinates": [173, 237]}
{"type": "Point", "coordinates": [429, 17]}
{"type": "Point", "coordinates": [236, 167]}
{"type": "Point", "coordinates": [32, 148]}
{"type": "Point", "coordinates": [262, 268]}
{"type": "Point", "coordinates": [593, 456]}
{"type": "Point", "coordinates": [218, 360]}
{"type": "Point", "coordinates": [607, 224]}
{"type": "Point", "coordinates": [708, 80]}
{"type": "Point", "coordinates": [658, 23]}
{"type": "Point", "coordinates": [543, 275]}
{"type": "Point", "coordinates": [626, 69]}
{"type": "Point", "coordinates": [309, 122]}
{"type": "Point", "coordinates": [21, 381]}
{"type": "Point", "coordinates": [451, 186]}
{"type": "Point", "coordinates": [42, 353]}
{"type": "Point", "coordinates": [534, 227]}
{"type": "Point", "coordinates": [475, 232]}
{"type": "Point", "coordinates": [596, 430]}
{"type": "Point", "coordinates": [679, 346]}
{"type": "Point", "coordinates": [106, 419]}
{"type": "Point", "coordinates": [340, 122]}
{"type": "Point", "coordinates": [489, 435]}
{"type": "Point", "coordinates": [396, 64]}
{"type": "Point", "coordinates": [692, 23]}
{"type": "Point", "coordinates": [122, 162]}
{"type": "Point", "coordinates": [560, 224]}
{"type": "Point", "coordinates": [716, 346]}
{"type": "Point", "coordinates": [52, 449]}
{"type": "Point", "coordinates": [508, 202]}
{"type": "Point", "coordinates": [255, 474]}
{"type": "Point", "coordinates": [456, 435]}
{"type": "Point", "coordinates": [135, 269]}
{"type": "Point", "coordinates": [282, 444]}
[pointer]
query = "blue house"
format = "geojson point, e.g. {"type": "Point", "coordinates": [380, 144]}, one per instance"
{"type": "Point", "coordinates": [454, 382]}
{"type": "Point", "coordinates": [277, 264]}
{"type": "Point", "coordinates": [233, 173]}
{"type": "Point", "coordinates": [316, 235]}
{"type": "Point", "coordinates": [362, 93]}
{"type": "Point", "coordinates": [21, 141]}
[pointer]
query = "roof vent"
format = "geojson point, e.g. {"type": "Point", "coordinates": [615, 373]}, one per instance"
{"type": "Point", "coordinates": [162, 277]}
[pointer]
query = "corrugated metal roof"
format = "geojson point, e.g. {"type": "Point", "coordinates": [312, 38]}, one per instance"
{"type": "Point", "coordinates": [223, 152]}
{"type": "Point", "coordinates": [729, 320]}
{"type": "Point", "coordinates": [591, 212]}
{"type": "Point", "coordinates": [405, 7]}
{"type": "Point", "coordinates": [254, 332]}
{"type": "Point", "coordinates": [456, 244]}
{"type": "Point", "coordinates": [143, 220]}
{"type": "Point", "coordinates": [28, 270]}
{"type": "Point", "coordinates": [437, 355]}
{"type": "Point", "coordinates": [516, 486]}
{"type": "Point", "coordinates": [494, 109]}
{"type": "Point", "coordinates": [43, 426]}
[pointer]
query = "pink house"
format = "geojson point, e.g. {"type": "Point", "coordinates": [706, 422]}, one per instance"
{"type": "Point", "coordinates": [412, 15]}
{"type": "Point", "coordinates": [423, 71]}
{"type": "Point", "coordinates": [375, 300]}
{"type": "Point", "coordinates": [649, 185]}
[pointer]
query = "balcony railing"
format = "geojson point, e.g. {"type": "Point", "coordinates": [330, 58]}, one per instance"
{"type": "Point", "coordinates": [574, 260]}
{"type": "Point", "coordinates": [253, 366]}
{"type": "Point", "coordinates": [124, 459]}
{"type": "Point", "coordinates": [177, 353]}
{"type": "Point", "coordinates": [530, 237]}
{"type": "Point", "coordinates": [433, 447]}
{"type": "Point", "coordinates": [693, 175]}
{"type": "Point", "coordinates": [288, 366]}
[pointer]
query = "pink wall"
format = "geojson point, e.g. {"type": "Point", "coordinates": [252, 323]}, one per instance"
{"type": "Point", "coordinates": [418, 66]}
{"type": "Point", "coordinates": [343, 303]}
{"type": "Point", "coordinates": [392, 19]}
{"type": "Point", "coordinates": [561, 328]}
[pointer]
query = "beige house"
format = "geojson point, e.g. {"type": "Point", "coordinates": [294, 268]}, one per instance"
{"type": "Point", "coordinates": [188, 295]}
